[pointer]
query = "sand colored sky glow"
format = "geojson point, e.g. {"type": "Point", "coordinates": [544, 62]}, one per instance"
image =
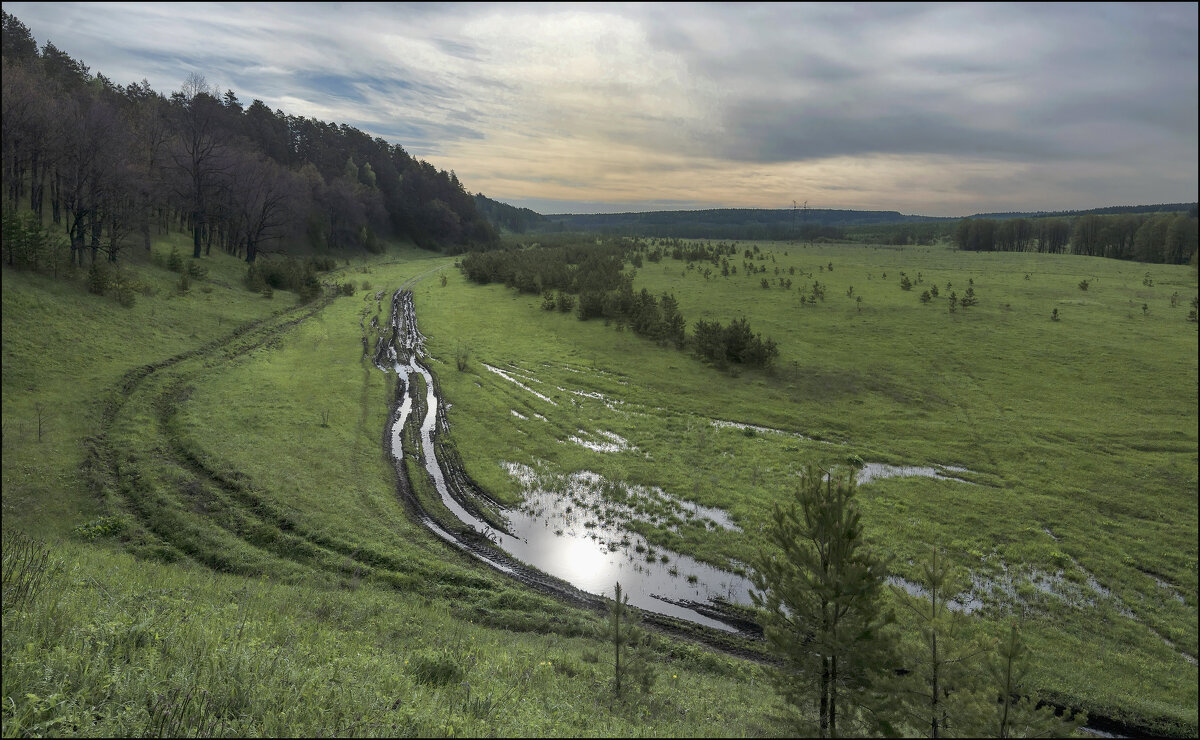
{"type": "Point", "coordinates": [933, 109]}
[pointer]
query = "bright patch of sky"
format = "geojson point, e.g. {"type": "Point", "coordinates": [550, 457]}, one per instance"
{"type": "Point", "coordinates": [931, 109]}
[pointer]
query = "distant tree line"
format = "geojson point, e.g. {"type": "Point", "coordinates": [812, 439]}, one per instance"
{"type": "Point", "coordinates": [1169, 238]}
{"type": "Point", "coordinates": [113, 165]}
{"type": "Point", "coordinates": [921, 233]}
{"type": "Point", "coordinates": [727, 223]}
{"type": "Point", "coordinates": [589, 278]}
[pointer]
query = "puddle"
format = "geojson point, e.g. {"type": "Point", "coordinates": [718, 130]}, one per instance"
{"type": "Point", "coordinates": [611, 403]}
{"type": "Point", "coordinates": [879, 471]}
{"type": "Point", "coordinates": [587, 493]}
{"type": "Point", "coordinates": [722, 424]}
{"type": "Point", "coordinates": [518, 383]}
{"type": "Point", "coordinates": [964, 603]}
{"type": "Point", "coordinates": [610, 442]}
{"type": "Point", "coordinates": [576, 527]}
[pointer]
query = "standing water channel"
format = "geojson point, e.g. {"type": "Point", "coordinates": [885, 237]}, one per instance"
{"type": "Point", "coordinates": [551, 532]}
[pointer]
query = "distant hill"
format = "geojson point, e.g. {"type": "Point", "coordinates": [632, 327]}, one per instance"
{"type": "Point", "coordinates": [763, 223]}
{"type": "Point", "coordinates": [1107, 211]}
{"type": "Point", "coordinates": [726, 223]}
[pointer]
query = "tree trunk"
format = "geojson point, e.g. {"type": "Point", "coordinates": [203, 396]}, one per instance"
{"type": "Point", "coordinates": [55, 199]}
{"type": "Point", "coordinates": [824, 701]}
{"type": "Point", "coordinates": [936, 695]}
{"type": "Point", "coordinates": [197, 238]}
{"type": "Point", "coordinates": [36, 176]}
{"type": "Point", "coordinates": [833, 679]}
{"type": "Point", "coordinates": [96, 227]}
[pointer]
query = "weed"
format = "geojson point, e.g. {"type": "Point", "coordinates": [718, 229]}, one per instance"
{"type": "Point", "coordinates": [26, 567]}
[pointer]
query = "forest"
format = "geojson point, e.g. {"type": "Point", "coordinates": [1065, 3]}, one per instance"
{"type": "Point", "coordinates": [1162, 238]}
{"type": "Point", "coordinates": [115, 166]}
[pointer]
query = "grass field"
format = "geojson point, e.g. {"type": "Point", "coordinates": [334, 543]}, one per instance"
{"type": "Point", "coordinates": [274, 565]}
{"type": "Point", "coordinates": [1078, 436]}
{"type": "Point", "coordinates": [228, 554]}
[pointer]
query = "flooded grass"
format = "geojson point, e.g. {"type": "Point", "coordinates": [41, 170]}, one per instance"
{"type": "Point", "coordinates": [1086, 428]}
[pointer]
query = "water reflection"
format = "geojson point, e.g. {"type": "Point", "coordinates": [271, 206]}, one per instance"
{"type": "Point", "coordinates": [587, 548]}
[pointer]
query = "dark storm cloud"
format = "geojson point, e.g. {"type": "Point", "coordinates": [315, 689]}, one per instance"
{"type": "Point", "coordinates": [767, 133]}
{"type": "Point", "coordinates": [997, 81]}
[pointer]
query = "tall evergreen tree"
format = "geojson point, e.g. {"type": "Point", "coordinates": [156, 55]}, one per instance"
{"type": "Point", "coordinates": [820, 589]}
{"type": "Point", "coordinates": [938, 689]}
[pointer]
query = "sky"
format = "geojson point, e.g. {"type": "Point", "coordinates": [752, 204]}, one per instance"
{"type": "Point", "coordinates": [940, 110]}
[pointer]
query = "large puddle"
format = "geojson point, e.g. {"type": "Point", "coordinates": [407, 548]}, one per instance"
{"type": "Point", "coordinates": [575, 527]}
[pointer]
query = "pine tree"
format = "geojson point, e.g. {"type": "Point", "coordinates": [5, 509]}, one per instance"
{"type": "Point", "coordinates": [938, 690]}
{"type": "Point", "coordinates": [821, 591]}
{"type": "Point", "coordinates": [622, 630]}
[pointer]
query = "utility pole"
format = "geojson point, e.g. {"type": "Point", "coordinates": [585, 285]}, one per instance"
{"type": "Point", "coordinates": [805, 220]}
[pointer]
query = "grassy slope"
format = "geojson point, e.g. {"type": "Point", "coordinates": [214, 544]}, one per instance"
{"type": "Point", "coordinates": [338, 615]}
{"type": "Point", "coordinates": [1085, 428]}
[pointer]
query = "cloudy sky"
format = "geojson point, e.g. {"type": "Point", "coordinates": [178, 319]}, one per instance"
{"type": "Point", "coordinates": [934, 109]}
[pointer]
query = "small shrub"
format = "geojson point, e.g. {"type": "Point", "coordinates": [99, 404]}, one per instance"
{"type": "Point", "coordinates": [1054, 315]}
{"type": "Point", "coordinates": [99, 278]}
{"type": "Point", "coordinates": [184, 284]}
{"type": "Point", "coordinates": [126, 296]}
{"type": "Point", "coordinates": [104, 526]}
{"type": "Point", "coordinates": [321, 264]}
{"type": "Point", "coordinates": [196, 270]}
{"type": "Point", "coordinates": [436, 668]}
{"type": "Point", "coordinates": [1083, 285]}
{"type": "Point", "coordinates": [462, 358]}
{"type": "Point", "coordinates": [926, 297]}
{"type": "Point", "coordinates": [174, 261]}
{"type": "Point", "coordinates": [346, 289]}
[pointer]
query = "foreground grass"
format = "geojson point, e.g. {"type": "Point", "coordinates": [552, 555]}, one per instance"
{"type": "Point", "coordinates": [116, 646]}
{"type": "Point", "coordinates": [1078, 436]}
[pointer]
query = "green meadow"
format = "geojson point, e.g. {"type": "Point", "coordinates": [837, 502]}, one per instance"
{"type": "Point", "coordinates": [1075, 440]}
{"type": "Point", "coordinates": [228, 554]}
{"type": "Point", "coordinates": [231, 555]}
